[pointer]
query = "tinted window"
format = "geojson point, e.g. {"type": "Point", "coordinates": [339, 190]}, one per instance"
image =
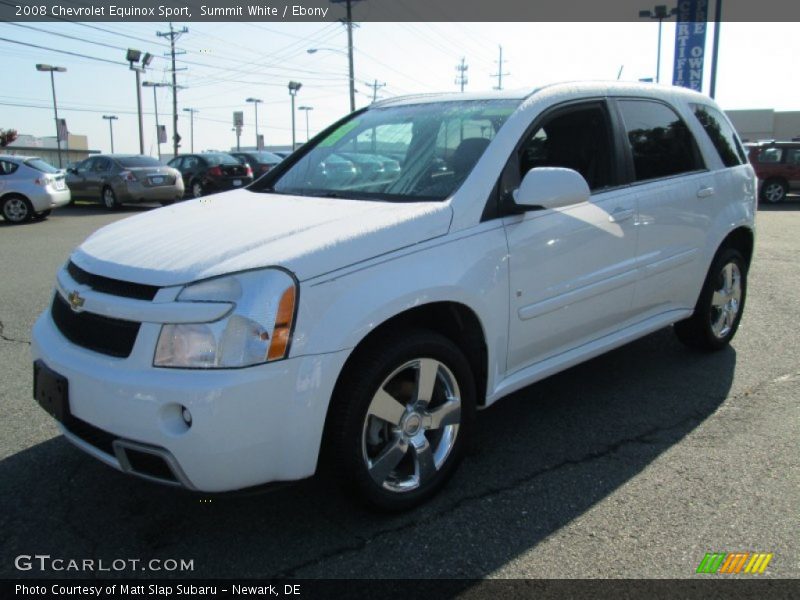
{"type": "Point", "coordinates": [175, 162]}
{"type": "Point", "coordinates": [267, 158]}
{"type": "Point", "coordinates": [190, 162]}
{"type": "Point", "coordinates": [7, 167]}
{"type": "Point", "coordinates": [793, 156]}
{"type": "Point", "coordinates": [722, 135]}
{"type": "Point", "coordinates": [660, 142]}
{"type": "Point", "coordinates": [770, 155]}
{"type": "Point", "coordinates": [218, 158]}
{"type": "Point", "coordinates": [578, 139]}
{"type": "Point", "coordinates": [41, 165]}
{"type": "Point", "coordinates": [102, 164]}
{"type": "Point", "coordinates": [138, 161]}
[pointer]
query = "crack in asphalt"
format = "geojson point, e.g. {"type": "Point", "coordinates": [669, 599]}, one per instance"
{"type": "Point", "coordinates": [5, 338]}
{"type": "Point", "coordinates": [645, 437]}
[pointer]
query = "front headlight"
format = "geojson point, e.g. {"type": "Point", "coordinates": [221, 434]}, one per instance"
{"type": "Point", "coordinates": [257, 330]}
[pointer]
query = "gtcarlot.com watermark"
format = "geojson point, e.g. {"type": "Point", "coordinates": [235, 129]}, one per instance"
{"type": "Point", "coordinates": [47, 563]}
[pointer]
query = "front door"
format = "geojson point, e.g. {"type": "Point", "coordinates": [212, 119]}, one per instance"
{"type": "Point", "coordinates": [572, 270]}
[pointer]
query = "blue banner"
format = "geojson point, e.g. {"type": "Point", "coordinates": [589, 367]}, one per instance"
{"type": "Point", "coordinates": [690, 44]}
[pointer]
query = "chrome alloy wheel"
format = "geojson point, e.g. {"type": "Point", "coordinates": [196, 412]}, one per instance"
{"type": "Point", "coordinates": [15, 210]}
{"type": "Point", "coordinates": [411, 425]}
{"type": "Point", "coordinates": [726, 300]}
{"type": "Point", "coordinates": [774, 192]}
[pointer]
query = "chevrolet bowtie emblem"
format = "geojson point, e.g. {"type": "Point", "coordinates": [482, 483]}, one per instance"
{"type": "Point", "coordinates": [75, 301]}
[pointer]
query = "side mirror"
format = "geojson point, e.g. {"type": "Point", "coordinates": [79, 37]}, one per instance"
{"type": "Point", "coordinates": [550, 187]}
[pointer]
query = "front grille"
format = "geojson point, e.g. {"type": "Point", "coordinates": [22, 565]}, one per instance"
{"type": "Point", "coordinates": [102, 440]}
{"type": "Point", "coordinates": [115, 287]}
{"type": "Point", "coordinates": [114, 337]}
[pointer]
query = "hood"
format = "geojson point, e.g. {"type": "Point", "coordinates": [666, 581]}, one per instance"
{"type": "Point", "coordinates": [240, 230]}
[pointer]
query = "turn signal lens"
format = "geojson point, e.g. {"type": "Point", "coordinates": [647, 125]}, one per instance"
{"type": "Point", "coordinates": [281, 335]}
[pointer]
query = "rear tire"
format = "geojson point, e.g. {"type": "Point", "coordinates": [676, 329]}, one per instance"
{"type": "Point", "coordinates": [774, 191]}
{"type": "Point", "coordinates": [196, 189]}
{"type": "Point", "coordinates": [17, 209]}
{"type": "Point", "coordinates": [109, 198]}
{"type": "Point", "coordinates": [720, 305]}
{"type": "Point", "coordinates": [401, 418]}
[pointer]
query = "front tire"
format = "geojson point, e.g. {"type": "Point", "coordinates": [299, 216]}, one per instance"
{"type": "Point", "coordinates": [720, 305]}
{"type": "Point", "coordinates": [774, 191]}
{"type": "Point", "coordinates": [402, 417]}
{"type": "Point", "coordinates": [110, 198]}
{"type": "Point", "coordinates": [17, 209]}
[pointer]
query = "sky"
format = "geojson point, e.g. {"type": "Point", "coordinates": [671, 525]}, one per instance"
{"type": "Point", "coordinates": [225, 63]}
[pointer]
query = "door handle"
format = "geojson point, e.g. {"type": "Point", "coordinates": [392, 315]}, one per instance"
{"type": "Point", "coordinates": [705, 192]}
{"type": "Point", "coordinates": [620, 214]}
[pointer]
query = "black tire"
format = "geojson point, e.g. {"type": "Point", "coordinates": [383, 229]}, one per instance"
{"type": "Point", "coordinates": [109, 198]}
{"type": "Point", "coordinates": [17, 209]}
{"type": "Point", "coordinates": [701, 330]}
{"type": "Point", "coordinates": [774, 191]}
{"type": "Point", "coordinates": [348, 426]}
{"type": "Point", "coordinates": [43, 214]}
{"type": "Point", "coordinates": [196, 189]}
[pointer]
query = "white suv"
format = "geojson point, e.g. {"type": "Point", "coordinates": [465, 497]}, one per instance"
{"type": "Point", "coordinates": [414, 262]}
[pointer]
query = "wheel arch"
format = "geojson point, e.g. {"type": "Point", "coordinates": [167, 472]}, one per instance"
{"type": "Point", "coordinates": [743, 239]}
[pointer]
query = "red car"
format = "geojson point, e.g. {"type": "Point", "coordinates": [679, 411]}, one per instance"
{"type": "Point", "coordinates": [777, 165]}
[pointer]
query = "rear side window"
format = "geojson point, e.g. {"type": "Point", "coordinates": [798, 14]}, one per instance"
{"type": "Point", "coordinates": [7, 167]}
{"type": "Point", "coordinates": [660, 142]}
{"type": "Point", "coordinates": [793, 156]}
{"type": "Point", "coordinates": [770, 155]}
{"type": "Point", "coordinates": [722, 135]}
{"type": "Point", "coordinates": [138, 161]}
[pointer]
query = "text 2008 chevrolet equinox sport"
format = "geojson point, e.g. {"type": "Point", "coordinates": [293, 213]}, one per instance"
{"type": "Point", "coordinates": [416, 261]}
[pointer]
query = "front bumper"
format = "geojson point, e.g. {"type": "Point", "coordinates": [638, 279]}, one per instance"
{"type": "Point", "coordinates": [249, 426]}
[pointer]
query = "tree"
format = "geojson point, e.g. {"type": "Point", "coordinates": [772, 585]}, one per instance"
{"type": "Point", "coordinates": [7, 136]}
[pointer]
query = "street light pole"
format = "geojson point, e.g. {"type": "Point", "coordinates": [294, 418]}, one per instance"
{"type": "Point", "coordinates": [294, 87]}
{"type": "Point", "coordinates": [349, 55]}
{"type": "Point", "coordinates": [133, 57]}
{"type": "Point", "coordinates": [111, 119]}
{"type": "Point", "coordinates": [191, 112]}
{"type": "Point", "coordinates": [51, 69]}
{"type": "Point", "coordinates": [660, 13]}
{"type": "Point", "coordinates": [306, 109]}
{"type": "Point", "coordinates": [255, 102]}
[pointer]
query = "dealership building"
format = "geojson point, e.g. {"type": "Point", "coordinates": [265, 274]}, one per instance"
{"type": "Point", "coordinates": [766, 124]}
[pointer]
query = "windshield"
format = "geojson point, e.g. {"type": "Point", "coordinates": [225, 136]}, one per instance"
{"type": "Point", "coordinates": [218, 158]}
{"type": "Point", "coordinates": [138, 161]}
{"type": "Point", "coordinates": [41, 165]}
{"type": "Point", "coordinates": [400, 153]}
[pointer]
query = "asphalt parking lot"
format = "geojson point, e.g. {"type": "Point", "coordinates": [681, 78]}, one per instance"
{"type": "Point", "coordinates": [632, 465]}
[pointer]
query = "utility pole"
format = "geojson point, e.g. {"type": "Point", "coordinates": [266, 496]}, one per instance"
{"type": "Point", "coordinates": [349, 24]}
{"type": "Point", "coordinates": [51, 69]}
{"type": "Point", "coordinates": [294, 87]}
{"type": "Point", "coordinates": [500, 73]}
{"type": "Point", "coordinates": [375, 87]}
{"type": "Point", "coordinates": [173, 36]}
{"type": "Point", "coordinates": [461, 77]}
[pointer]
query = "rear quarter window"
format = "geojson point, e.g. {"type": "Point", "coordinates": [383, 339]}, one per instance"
{"type": "Point", "coordinates": [721, 134]}
{"type": "Point", "coordinates": [769, 155]}
{"type": "Point", "coordinates": [7, 167]}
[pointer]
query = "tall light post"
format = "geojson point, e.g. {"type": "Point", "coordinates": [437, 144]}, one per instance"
{"type": "Point", "coordinates": [294, 87]}
{"type": "Point", "coordinates": [255, 102]}
{"type": "Point", "coordinates": [660, 13]}
{"type": "Point", "coordinates": [133, 57]}
{"type": "Point", "coordinates": [191, 112]}
{"type": "Point", "coordinates": [306, 109]}
{"type": "Point", "coordinates": [111, 119]}
{"type": "Point", "coordinates": [51, 69]}
{"type": "Point", "coordinates": [154, 85]}
{"type": "Point", "coordinates": [350, 62]}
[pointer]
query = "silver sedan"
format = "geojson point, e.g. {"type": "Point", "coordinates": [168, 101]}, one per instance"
{"type": "Point", "coordinates": [30, 188]}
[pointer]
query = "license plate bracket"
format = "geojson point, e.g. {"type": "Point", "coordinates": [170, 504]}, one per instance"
{"type": "Point", "coordinates": [51, 391]}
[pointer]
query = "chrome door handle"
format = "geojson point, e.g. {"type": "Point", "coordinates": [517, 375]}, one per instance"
{"type": "Point", "coordinates": [705, 192]}
{"type": "Point", "coordinates": [621, 214]}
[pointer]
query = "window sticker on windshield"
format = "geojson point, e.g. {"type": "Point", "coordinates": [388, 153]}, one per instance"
{"type": "Point", "coordinates": [339, 133]}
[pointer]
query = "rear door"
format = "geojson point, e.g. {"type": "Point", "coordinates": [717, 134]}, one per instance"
{"type": "Point", "coordinates": [677, 198]}
{"type": "Point", "coordinates": [77, 181]}
{"type": "Point", "coordinates": [97, 176]}
{"type": "Point", "coordinates": [793, 167]}
{"type": "Point", "coordinates": [572, 269]}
